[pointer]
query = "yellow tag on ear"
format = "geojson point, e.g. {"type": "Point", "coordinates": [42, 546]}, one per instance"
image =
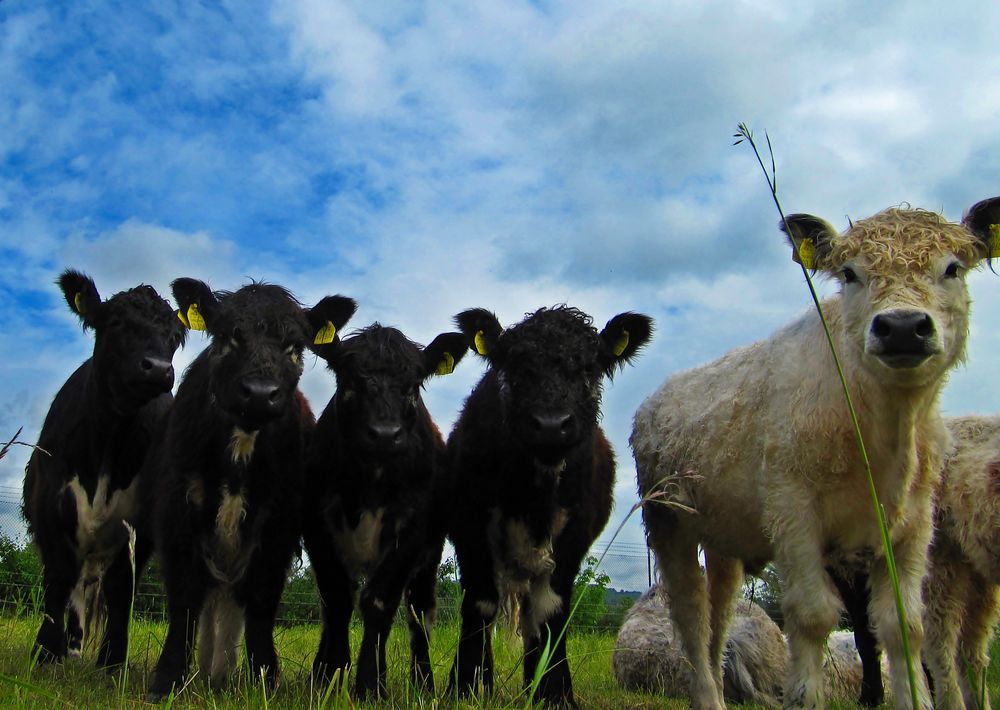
{"type": "Point", "coordinates": [994, 241]}
{"type": "Point", "coordinates": [182, 319]}
{"type": "Point", "coordinates": [621, 344]}
{"type": "Point", "coordinates": [446, 366]}
{"type": "Point", "coordinates": [194, 319]}
{"type": "Point", "coordinates": [480, 342]}
{"type": "Point", "coordinates": [807, 254]}
{"type": "Point", "coordinates": [77, 301]}
{"type": "Point", "coordinates": [325, 335]}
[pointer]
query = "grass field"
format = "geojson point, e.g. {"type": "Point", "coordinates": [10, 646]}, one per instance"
{"type": "Point", "coordinates": [76, 684]}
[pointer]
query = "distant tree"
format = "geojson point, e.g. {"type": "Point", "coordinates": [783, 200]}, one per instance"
{"type": "Point", "coordinates": [590, 588]}
{"type": "Point", "coordinates": [20, 575]}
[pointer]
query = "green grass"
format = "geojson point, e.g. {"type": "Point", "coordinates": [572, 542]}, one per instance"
{"type": "Point", "coordinates": [77, 684]}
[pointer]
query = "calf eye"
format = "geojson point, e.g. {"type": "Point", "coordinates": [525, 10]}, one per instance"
{"type": "Point", "coordinates": [952, 271]}
{"type": "Point", "coordinates": [849, 275]}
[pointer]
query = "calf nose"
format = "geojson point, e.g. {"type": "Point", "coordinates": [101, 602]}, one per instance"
{"type": "Point", "coordinates": [904, 338]}
{"type": "Point", "coordinates": [384, 436]}
{"type": "Point", "coordinates": [157, 370]}
{"type": "Point", "coordinates": [261, 396]}
{"type": "Point", "coordinates": [553, 428]}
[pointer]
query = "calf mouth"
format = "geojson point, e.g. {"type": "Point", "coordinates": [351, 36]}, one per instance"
{"type": "Point", "coordinates": [904, 361]}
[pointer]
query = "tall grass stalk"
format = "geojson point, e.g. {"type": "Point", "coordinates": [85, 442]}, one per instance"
{"type": "Point", "coordinates": [745, 134]}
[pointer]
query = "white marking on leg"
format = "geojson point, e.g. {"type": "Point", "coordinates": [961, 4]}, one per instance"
{"type": "Point", "coordinates": [220, 633]}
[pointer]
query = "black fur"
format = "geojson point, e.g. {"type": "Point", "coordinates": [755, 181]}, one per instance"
{"type": "Point", "coordinates": [527, 460]}
{"type": "Point", "coordinates": [244, 383]}
{"type": "Point", "coordinates": [99, 426]}
{"type": "Point", "coordinates": [376, 449]}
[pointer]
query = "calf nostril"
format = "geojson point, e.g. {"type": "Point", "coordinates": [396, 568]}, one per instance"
{"type": "Point", "coordinates": [880, 327]}
{"type": "Point", "coordinates": [925, 327]}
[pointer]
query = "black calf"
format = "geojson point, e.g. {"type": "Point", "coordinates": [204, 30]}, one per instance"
{"type": "Point", "coordinates": [81, 485]}
{"type": "Point", "coordinates": [375, 501]}
{"type": "Point", "coordinates": [534, 474]}
{"type": "Point", "coordinates": [228, 476]}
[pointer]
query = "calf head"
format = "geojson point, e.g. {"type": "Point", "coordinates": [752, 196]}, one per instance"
{"type": "Point", "coordinates": [258, 336]}
{"type": "Point", "coordinates": [379, 375]}
{"type": "Point", "coordinates": [550, 370]}
{"type": "Point", "coordinates": [135, 337]}
{"type": "Point", "coordinates": [902, 274]}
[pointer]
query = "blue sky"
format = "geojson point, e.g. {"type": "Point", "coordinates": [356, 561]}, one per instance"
{"type": "Point", "coordinates": [424, 158]}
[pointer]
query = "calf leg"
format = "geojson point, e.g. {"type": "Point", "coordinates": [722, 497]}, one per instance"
{"type": "Point", "coordinates": [379, 602]}
{"type": "Point", "coordinates": [685, 585]}
{"type": "Point", "coordinates": [61, 572]}
{"type": "Point", "coordinates": [855, 595]}
{"type": "Point", "coordinates": [811, 607]}
{"type": "Point", "coordinates": [421, 604]}
{"type": "Point", "coordinates": [336, 592]}
{"type": "Point", "coordinates": [74, 620]}
{"type": "Point", "coordinates": [981, 611]}
{"type": "Point", "coordinates": [725, 575]}
{"type": "Point", "coordinates": [176, 654]}
{"type": "Point", "coordinates": [545, 616]}
{"type": "Point", "coordinates": [910, 552]}
{"type": "Point", "coordinates": [119, 589]}
{"type": "Point", "coordinates": [480, 604]}
{"type": "Point", "coordinates": [474, 657]}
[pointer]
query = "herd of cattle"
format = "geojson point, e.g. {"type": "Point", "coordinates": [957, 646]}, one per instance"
{"type": "Point", "coordinates": [747, 460]}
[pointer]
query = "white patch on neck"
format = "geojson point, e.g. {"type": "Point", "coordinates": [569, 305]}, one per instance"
{"type": "Point", "coordinates": [241, 445]}
{"type": "Point", "coordinates": [232, 512]}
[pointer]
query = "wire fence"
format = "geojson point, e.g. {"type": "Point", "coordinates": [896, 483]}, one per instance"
{"type": "Point", "coordinates": [626, 570]}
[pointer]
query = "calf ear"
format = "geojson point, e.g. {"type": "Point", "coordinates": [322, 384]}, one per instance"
{"type": "Point", "coordinates": [983, 220]}
{"type": "Point", "coordinates": [481, 330]}
{"type": "Point", "coordinates": [444, 352]}
{"type": "Point", "coordinates": [196, 303]}
{"type": "Point", "coordinates": [326, 319]}
{"type": "Point", "coordinates": [81, 295]}
{"type": "Point", "coordinates": [810, 238]}
{"type": "Point", "coordinates": [623, 336]}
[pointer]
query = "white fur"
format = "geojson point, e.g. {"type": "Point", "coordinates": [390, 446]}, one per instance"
{"type": "Point", "coordinates": [754, 458]}
{"type": "Point", "coordinates": [220, 631]}
{"type": "Point", "coordinates": [96, 517]}
{"type": "Point", "coordinates": [359, 546]}
{"type": "Point", "coordinates": [241, 445]}
{"type": "Point", "coordinates": [962, 587]}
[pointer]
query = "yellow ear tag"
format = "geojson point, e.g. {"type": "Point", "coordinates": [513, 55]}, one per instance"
{"type": "Point", "coordinates": [994, 241]}
{"type": "Point", "coordinates": [446, 366]}
{"type": "Point", "coordinates": [480, 342]}
{"type": "Point", "coordinates": [325, 335]}
{"type": "Point", "coordinates": [194, 319]}
{"type": "Point", "coordinates": [807, 254]}
{"type": "Point", "coordinates": [183, 319]}
{"type": "Point", "coordinates": [77, 302]}
{"type": "Point", "coordinates": [621, 344]}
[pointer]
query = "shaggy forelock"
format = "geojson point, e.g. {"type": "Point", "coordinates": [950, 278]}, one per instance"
{"type": "Point", "coordinates": [381, 351]}
{"type": "Point", "coordinates": [558, 333]}
{"type": "Point", "coordinates": [262, 307]}
{"type": "Point", "coordinates": [143, 306]}
{"type": "Point", "coordinates": [898, 241]}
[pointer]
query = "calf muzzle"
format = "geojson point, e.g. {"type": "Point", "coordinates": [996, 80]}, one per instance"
{"type": "Point", "coordinates": [902, 338]}
{"type": "Point", "coordinates": [260, 400]}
